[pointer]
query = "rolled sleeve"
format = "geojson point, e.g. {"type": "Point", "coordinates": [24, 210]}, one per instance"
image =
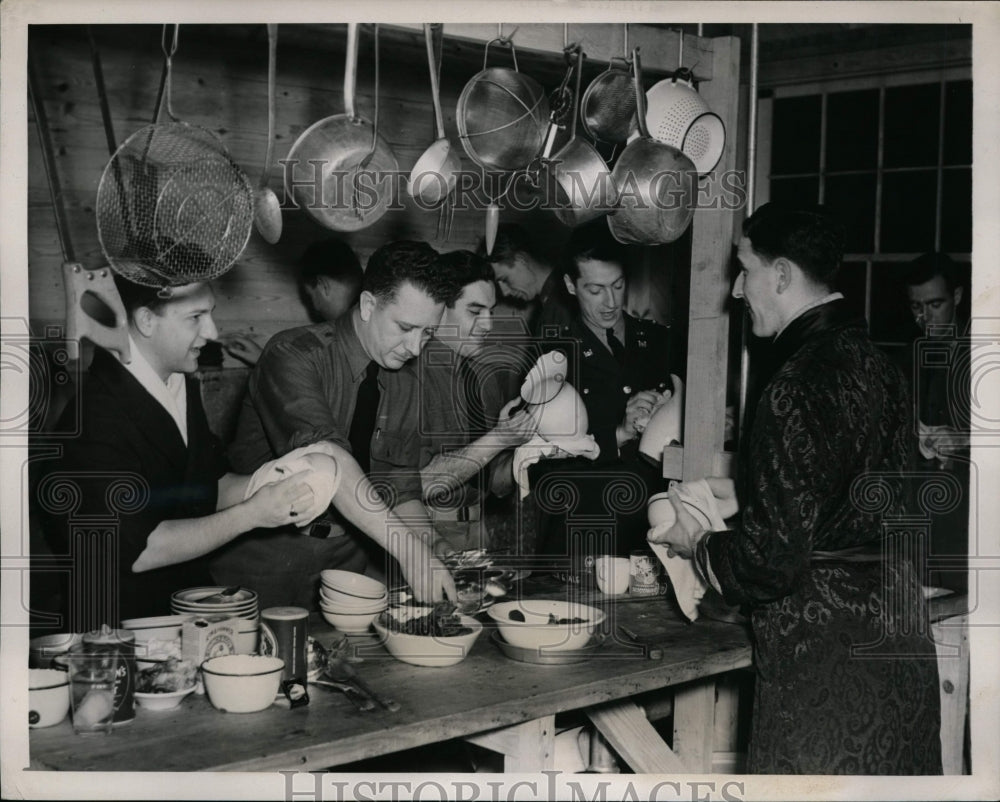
{"type": "Point", "coordinates": [293, 397]}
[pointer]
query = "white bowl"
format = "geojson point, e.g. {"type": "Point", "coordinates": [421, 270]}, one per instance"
{"type": "Point", "coordinates": [161, 627]}
{"type": "Point", "coordinates": [350, 623]}
{"type": "Point", "coordinates": [48, 696]}
{"type": "Point", "coordinates": [161, 701]}
{"type": "Point", "coordinates": [535, 632]}
{"type": "Point", "coordinates": [242, 683]}
{"type": "Point", "coordinates": [352, 584]}
{"type": "Point", "coordinates": [376, 606]}
{"type": "Point", "coordinates": [563, 416]}
{"type": "Point", "coordinates": [425, 650]}
{"type": "Point", "coordinates": [341, 599]}
{"type": "Point", "coordinates": [42, 650]}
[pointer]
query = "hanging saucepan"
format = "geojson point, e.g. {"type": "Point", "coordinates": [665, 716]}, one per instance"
{"type": "Point", "coordinates": [436, 172]}
{"type": "Point", "coordinates": [658, 185]}
{"type": "Point", "coordinates": [583, 184]}
{"type": "Point", "coordinates": [501, 116]}
{"type": "Point", "coordinates": [338, 145]}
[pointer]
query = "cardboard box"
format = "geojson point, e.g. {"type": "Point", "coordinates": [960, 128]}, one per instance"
{"type": "Point", "coordinates": [209, 636]}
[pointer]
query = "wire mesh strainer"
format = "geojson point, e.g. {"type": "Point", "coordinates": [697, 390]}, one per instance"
{"type": "Point", "coordinates": [607, 110]}
{"type": "Point", "coordinates": [172, 207]}
{"type": "Point", "coordinates": [501, 115]}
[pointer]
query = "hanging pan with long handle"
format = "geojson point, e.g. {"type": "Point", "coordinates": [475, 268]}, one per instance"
{"type": "Point", "coordinates": [585, 189]}
{"type": "Point", "coordinates": [657, 182]}
{"type": "Point", "coordinates": [337, 146]}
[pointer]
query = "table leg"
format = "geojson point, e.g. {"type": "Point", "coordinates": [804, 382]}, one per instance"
{"type": "Point", "coordinates": [628, 731]}
{"type": "Point", "coordinates": [694, 724]}
{"type": "Point", "coordinates": [527, 748]}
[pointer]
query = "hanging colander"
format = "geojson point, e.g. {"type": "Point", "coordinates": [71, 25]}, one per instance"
{"type": "Point", "coordinates": [172, 206]}
{"type": "Point", "coordinates": [677, 115]}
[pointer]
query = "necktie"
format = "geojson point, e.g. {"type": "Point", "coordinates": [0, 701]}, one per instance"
{"type": "Point", "coordinates": [617, 349]}
{"type": "Point", "coordinates": [365, 415]}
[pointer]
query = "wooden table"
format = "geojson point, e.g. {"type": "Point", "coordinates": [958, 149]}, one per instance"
{"type": "Point", "coordinates": [488, 699]}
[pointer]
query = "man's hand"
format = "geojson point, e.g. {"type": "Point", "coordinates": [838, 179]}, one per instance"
{"type": "Point", "coordinates": [724, 490]}
{"type": "Point", "coordinates": [281, 503]}
{"type": "Point", "coordinates": [638, 408]}
{"type": "Point", "coordinates": [426, 575]}
{"type": "Point", "coordinates": [681, 538]}
{"type": "Point", "coordinates": [244, 348]}
{"type": "Point", "coordinates": [517, 429]}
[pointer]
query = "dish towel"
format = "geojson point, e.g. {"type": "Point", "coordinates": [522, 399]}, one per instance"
{"type": "Point", "coordinates": [538, 448]}
{"type": "Point", "coordinates": [689, 586]}
{"type": "Point", "coordinates": [324, 481]}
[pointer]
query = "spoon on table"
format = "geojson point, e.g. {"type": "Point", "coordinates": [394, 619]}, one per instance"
{"type": "Point", "coordinates": [361, 702]}
{"type": "Point", "coordinates": [221, 596]}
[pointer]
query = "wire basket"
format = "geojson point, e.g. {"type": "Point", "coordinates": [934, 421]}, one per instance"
{"type": "Point", "coordinates": [502, 116]}
{"type": "Point", "coordinates": [172, 207]}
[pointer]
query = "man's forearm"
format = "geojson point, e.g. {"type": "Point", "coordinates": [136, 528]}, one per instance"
{"type": "Point", "coordinates": [447, 472]}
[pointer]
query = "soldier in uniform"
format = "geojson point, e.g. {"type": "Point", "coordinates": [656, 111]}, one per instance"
{"type": "Point", "coordinates": [620, 366]}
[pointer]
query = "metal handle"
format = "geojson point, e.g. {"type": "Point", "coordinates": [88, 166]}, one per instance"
{"type": "Point", "coordinates": [640, 96]}
{"type": "Point", "coordinates": [435, 86]}
{"type": "Point", "coordinates": [351, 69]}
{"type": "Point", "coordinates": [576, 94]}
{"type": "Point", "coordinates": [272, 73]}
{"type": "Point", "coordinates": [503, 40]}
{"type": "Point", "coordinates": [168, 55]}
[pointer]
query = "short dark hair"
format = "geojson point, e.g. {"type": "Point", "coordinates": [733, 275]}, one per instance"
{"type": "Point", "coordinates": [334, 259]}
{"type": "Point", "coordinates": [465, 268]}
{"type": "Point", "coordinates": [592, 242]}
{"type": "Point", "coordinates": [408, 260]}
{"type": "Point", "coordinates": [511, 240]}
{"type": "Point", "coordinates": [136, 295]}
{"type": "Point", "coordinates": [929, 265]}
{"type": "Point", "coordinates": [810, 236]}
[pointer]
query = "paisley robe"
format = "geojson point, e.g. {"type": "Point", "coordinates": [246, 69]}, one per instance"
{"type": "Point", "coordinates": [846, 676]}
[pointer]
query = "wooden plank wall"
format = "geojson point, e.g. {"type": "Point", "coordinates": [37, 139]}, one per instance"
{"type": "Point", "coordinates": [219, 81]}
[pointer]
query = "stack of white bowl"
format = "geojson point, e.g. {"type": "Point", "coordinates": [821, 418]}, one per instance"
{"type": "Point", "coordinates": [350, 601]}
{"type": "Point", "coordinates": [242, 604]}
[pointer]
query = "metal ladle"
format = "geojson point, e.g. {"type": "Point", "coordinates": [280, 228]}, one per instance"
{"type": "Point", "coordinates": [440, 160]}
{"type": "Point", "coordinates": [266, 208]}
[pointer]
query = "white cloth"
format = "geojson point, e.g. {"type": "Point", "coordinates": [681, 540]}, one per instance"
{"type": "Point", "coordinates": [323, 481]}
{"type": "Point", "coordinates": [689, 585]}
{"type": "Point", "coordinates": [538, 448]}
{"type": "Point", "coordinates": [666, 422]}
{"type": "Point", "coordinates": [172, 395]}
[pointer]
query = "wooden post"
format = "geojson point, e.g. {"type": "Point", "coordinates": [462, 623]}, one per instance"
{"type": "Point", "coordinates": [711, 249]}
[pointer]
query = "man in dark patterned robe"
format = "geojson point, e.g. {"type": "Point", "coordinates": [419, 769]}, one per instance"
{"type": "Point", "coordinates": [846, 672]}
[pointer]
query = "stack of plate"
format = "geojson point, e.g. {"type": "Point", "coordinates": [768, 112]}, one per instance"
{"type": "Point", "coordinates": [208, 601]}
{"type": "Point", "coordinates": [351, 601]}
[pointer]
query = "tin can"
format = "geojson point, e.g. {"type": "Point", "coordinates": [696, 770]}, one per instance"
{"type": "Point", "coordinates": [120, 642]}
{"type": "Point", "coordinates": [643, 571]}
{"type": "Point", "coordinates": [283, 633]}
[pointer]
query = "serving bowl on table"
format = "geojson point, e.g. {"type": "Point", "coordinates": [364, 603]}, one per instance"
{"type": "Point", "coordinates": [429, 650]}
{"type": "Point", "coordinates": [242, 683]}
{"type": "Point", "coordinates": [48, 696]}
{"type": "Point", "coordinates": [533, 625]}
{"type": "Point", "coordinates": [162, 701]}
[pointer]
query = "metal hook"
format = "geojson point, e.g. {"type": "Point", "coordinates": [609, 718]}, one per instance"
{"type": "Point", "coordinates": [173, 44]}
{"type": "Point", "coordinates": [626, 40]}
